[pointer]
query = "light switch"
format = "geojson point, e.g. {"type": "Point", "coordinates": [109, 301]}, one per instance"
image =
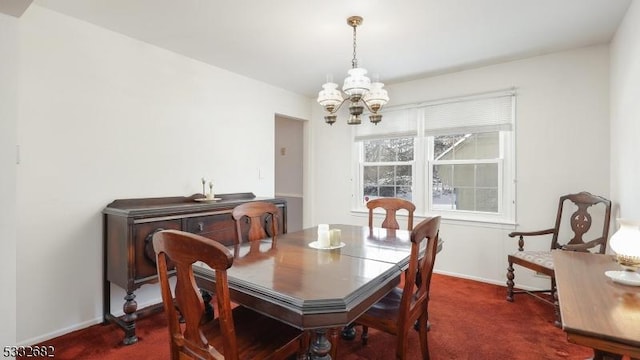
{"type": "Point", "coordinates": [283, 151]}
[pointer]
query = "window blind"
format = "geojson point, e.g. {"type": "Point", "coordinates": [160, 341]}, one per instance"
{"type": "Point", "coordinates": [471, 114]}
{"type": "Point", "coordinates": [394, 124]}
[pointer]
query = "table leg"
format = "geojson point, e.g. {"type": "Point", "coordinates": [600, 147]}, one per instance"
{"type": "Point", "coordinates": [320, 347]}
{"type": "Point", "coordinates": [349, 332]}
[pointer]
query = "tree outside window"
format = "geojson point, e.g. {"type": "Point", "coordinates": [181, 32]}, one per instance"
{"type": "Point", "coordinates": [388, 168]}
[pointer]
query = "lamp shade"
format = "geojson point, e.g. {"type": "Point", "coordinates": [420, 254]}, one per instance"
{"type": "Point", "coordinates": [330, 96]}
{"type": "Point", "coordinates": [626, 243]}
{"type": "Point", "coordinates": [357, 83]}
{"type": "Point", "coordinates": [376, 97]}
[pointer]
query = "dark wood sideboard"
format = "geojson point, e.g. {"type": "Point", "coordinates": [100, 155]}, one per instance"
{"type": "Point", "coordinates": [129, 225]}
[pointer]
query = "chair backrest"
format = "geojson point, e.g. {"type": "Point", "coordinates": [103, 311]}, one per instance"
{"type": "Point", "coordinates": [184, 249]}
{"type": "Point", "coordinates": [260, 216]}
{"type": "Point", "coordinates": [581, 221]}
{"type": "Point", "coordinates": [391, 206]}
{"type": "Point", "coordinates": [415, 295]}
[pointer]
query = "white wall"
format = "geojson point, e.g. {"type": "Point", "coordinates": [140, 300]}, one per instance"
{"type": "Point", "coordinates": [102, 117]}
{"type": "Point", "coordinates": [8, 123]}
{"type": "Point", "coordinates": [625, 115]}
{"type": "Point", "coordinates": [562, 147]}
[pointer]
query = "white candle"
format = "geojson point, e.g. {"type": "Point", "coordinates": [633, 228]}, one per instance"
{"type": "Point", "coordinates": [323, 236]}
{"type": "Point", "coordinates": [334, 237]}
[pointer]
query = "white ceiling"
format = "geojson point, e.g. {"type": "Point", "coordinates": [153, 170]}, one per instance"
{"type": "Point", "coordinates": [295, 44]}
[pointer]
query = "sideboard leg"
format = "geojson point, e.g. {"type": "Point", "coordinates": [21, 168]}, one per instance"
{"type": "Point", "coordinates": [208, 309]}
{"type": "Point", "coordinates": [130, 306]}
{"type": "Point", "coordinates": [106, 302]}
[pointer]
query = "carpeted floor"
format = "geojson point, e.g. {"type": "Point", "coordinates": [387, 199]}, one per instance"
{"type": "Point", "coordinates": [469, 320]}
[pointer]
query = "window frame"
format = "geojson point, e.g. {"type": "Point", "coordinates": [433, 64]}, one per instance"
{"type": "Point", "coordinates": [422, 177]}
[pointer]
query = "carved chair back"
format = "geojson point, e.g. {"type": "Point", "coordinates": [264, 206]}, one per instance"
{"type": "Point", "coordinates": [261, 216]}
{"type": "Point", "coordinates": [580, 220]}
{"type": "Point", "coordinates": [391, 206]}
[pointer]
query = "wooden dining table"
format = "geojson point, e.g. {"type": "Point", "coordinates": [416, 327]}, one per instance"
{"type": "Point", "coordinates": [315, 289]}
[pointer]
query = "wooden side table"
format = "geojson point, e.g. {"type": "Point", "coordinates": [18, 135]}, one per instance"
{"type": "Point", "coordinates": [597, 312]}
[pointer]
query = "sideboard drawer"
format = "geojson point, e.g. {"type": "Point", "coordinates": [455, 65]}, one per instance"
{"type": "Point", "coordinates": [145, 257]}
{"type": "Point", "coordinates": [219, 227]}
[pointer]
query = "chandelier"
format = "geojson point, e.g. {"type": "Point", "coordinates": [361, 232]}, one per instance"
{"type": "Point", "coordinates": [359, 90]}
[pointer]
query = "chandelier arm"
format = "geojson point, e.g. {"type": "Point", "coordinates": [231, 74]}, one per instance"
{"type": "Point", "coordinates": [368, 108]}
{"type": "Point", "coordinates": [335, 110]}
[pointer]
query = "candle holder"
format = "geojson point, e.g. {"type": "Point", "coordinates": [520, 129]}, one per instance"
{"type": "Point", "coordinates": [210, 195]}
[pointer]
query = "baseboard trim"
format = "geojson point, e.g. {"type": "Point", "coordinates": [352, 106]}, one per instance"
{"type": "Point", "coordinates": [60, 332]}
{"type": "Point", "coordinates": [85, 324]}
{"type": "Point", "coordinates": [481, 279]}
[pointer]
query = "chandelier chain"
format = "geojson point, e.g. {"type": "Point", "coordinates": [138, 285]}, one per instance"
{"type": "Point", "coordinates": [354, 62]}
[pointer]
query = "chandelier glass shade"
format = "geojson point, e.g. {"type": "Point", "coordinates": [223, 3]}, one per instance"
{"type": "Point", "coordinates": [358, 90]}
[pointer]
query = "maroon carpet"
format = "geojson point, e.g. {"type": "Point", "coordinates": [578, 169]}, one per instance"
{"type": "Point", "coordinates": [469, 320]}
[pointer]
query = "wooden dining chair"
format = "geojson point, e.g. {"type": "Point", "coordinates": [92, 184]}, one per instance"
{"type": "Point", "coordinates": [260, 216]}
{"type": "Point", "coordinates": [397, 312]}
{"type": "Point", "coordinates": [238, 333]}
{"type": "Point", "coordinates": [574, 220]}
{"type": "Point", "coordinates": [391, 207]}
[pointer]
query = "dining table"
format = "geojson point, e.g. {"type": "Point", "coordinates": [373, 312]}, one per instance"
{"type": "Point", "coordinates": [321, 290]}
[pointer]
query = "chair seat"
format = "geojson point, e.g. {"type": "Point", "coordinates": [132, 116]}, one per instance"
{"type": "Point", "coordinates": [542, 258]}
{"type": "Point", "coordinates": [258, 336]}
{"type": "Point", "coordinates": [384, 312]}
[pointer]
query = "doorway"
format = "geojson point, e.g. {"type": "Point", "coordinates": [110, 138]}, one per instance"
{"type": "Point", "coordinates": [289, 149]}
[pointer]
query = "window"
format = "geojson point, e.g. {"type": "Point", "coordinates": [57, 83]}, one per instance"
{"type": "Point", "coordinates": [387, 168]}
{"type": "Point", "coordinates": [460, 165]}
{"type": "Point", "coordinates": [465, 171]}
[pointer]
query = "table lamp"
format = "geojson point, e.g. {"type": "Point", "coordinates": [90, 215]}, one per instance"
{"type": "Point", "coordinates": [626, 244]}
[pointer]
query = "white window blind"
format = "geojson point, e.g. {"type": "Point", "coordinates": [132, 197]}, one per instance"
{"type": "Point", "coordinates": [485, 113]}
{"type": "Point", "coordinates": [394, 124]}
